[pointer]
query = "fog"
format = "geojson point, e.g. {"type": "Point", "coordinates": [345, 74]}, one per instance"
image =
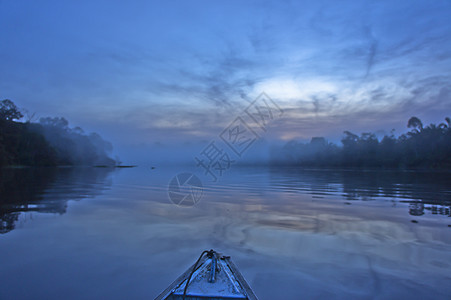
{"type": "Point", "coordinates": [73, 146]}
{"type": "Point", "coordinates": [185, 153]}
{"type": "Point", "coordinates": [421, 147]}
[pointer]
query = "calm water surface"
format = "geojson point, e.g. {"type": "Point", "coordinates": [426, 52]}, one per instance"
{"type": "Point", "coordinates": [92, 233]}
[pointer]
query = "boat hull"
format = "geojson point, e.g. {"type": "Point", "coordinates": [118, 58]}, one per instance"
{"type": "Point", "coordinates": [212, 277]}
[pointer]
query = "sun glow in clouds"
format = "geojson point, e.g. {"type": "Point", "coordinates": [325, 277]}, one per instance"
{"type": "Point", "coordinates": [288, 89]}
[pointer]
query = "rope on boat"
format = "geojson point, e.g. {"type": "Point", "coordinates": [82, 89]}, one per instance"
{"type": "Point", "coordinates": [210, 254]}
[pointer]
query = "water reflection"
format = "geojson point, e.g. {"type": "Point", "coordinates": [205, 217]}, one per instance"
{"type": "Point", "coordinates": [422, 190]}
{"type": "Point", "coordinates": [46, 190]}
{"type": "Point", "coordinates": [289, 231]}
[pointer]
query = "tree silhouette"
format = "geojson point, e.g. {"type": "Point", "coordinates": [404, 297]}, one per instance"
{"type": "Point", "coordinates": [9, 111]}
{"type": "Point", "coordinates": [421, 147]}
{"type": "Point", "coordinates": [48, 143]}
{"type": "Point", "coordinates": [446, 125]}
{"type": "Point", "coordinates": [415, 123]}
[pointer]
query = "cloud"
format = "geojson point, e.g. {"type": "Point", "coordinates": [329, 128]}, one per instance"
{"type": "Point", "coordinates": [163, 72]}
{"type": "Point", "coordinates": [372, 49]}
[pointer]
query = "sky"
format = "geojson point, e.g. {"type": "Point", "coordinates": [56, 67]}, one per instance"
{"type": "Point", "coordinates": [152, 76]}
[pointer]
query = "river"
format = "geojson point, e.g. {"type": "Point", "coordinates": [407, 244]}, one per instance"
{"type": "Point", "coordinates": [99, 233]}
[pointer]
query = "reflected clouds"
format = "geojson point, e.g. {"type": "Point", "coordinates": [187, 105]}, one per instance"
{"type": "Point", "coordinates": [349, 231]}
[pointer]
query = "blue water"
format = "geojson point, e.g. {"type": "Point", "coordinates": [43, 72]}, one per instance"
{"type": "Point", "coordinates": [87, 233]}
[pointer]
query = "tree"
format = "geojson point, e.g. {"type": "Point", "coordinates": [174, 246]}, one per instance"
{"type": "Point", "coordinates": [446, 125]}
{"type": "Point", "coordinates": [9, 111]}
{"type": "Point", "coordinates": [56, 122]}
{"type": "Point", "coordinates": [415, 123]}
{"type": "Point", "coordinates": [29, 116]}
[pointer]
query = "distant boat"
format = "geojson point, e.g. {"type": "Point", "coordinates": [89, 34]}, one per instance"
{"type": "Point", "coordinates": [213, 276]}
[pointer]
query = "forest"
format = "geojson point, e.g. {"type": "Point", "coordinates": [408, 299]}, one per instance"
{"type": "Point", "coordinates": [422, 147]}
{"type": "Point", "coordinates": [49, 142]}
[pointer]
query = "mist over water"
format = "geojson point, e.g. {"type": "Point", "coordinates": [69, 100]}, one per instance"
{"type": "Point", "coordinates": [183, 152]}
{"type": "Point", "coordinates": [301, 233]}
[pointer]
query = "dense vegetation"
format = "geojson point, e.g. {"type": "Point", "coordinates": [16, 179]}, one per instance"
{"type": "Point", "coordinates": [421, 147]}
{"type": "Point", "coordinates": [50, 142]}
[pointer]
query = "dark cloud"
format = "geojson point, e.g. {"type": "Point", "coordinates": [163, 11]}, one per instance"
{"type": "Point", "coordinates": [372, 49]}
